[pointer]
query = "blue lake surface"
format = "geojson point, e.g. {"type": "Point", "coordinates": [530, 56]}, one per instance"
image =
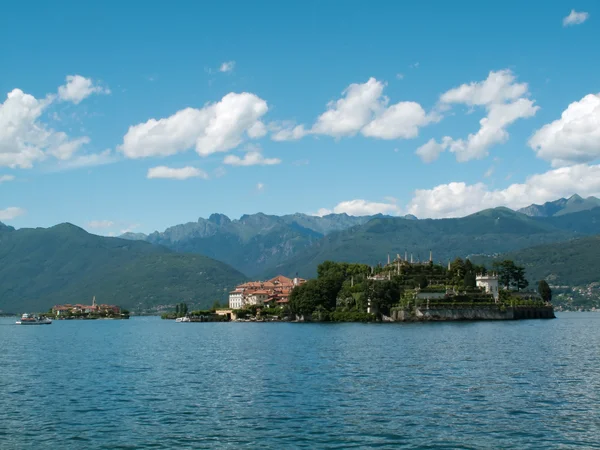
{"type": "Point", "coordinates": [150, 383]}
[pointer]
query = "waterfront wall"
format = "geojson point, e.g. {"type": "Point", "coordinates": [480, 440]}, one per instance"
{"type": "Point", "coordinates": [474, 313]}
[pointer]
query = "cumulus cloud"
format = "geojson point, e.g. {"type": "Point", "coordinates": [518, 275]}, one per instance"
{"type": "Point", "coordinates": [574, 138]}
{"type": "Point", "coordinates": [227, 66]}
{"type": "Point", "coordinates": [458, 199]}
{"type": "Point", "coordinates": [498, 87]}
{"type": "Point", "coordinates": [348, 115]}
{"type": "Point", "coordinates": [287, 132]}
{"type": "Point", "coordinates": [505, 102]}
{"type": "Point", "coordinates": [101, 224]}
{"type": "Point", "coordinates": [260, 187]}
{"type": "Point", "coordinates": [362, 109]}
{"type": "Point", "coordinates": [431, 150]}
{"type": "Point", "coordinates": [575, 18]}
{"type": "Point", "coordinates": [250, 159]}
{"type": "Point", "coordinates": [399, 121]}
{"type": "Point", "coordinates": [25, 138]}
{"type": "Point", "coordinates": [217, 127]}
{"type": "Point", "coordinates": [11, 213]}
{"type": "Point", "coordinates": [176, 174]}
{"type": "Point", "coordinates": [359, 207]}
{"type": "Point", "coordinates": [5, 178]}
{"type": "Point", "coordinates": [78, 88]}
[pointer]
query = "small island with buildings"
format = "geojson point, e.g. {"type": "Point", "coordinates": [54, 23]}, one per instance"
{"type": "Point", "coordinates": [400, 291]}
{"type": "Point", "coordinates": [89, 312]}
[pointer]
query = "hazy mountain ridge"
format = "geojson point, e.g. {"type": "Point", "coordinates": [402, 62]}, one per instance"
{"type": "Point", "coordinates": [255, 241]}
{"type": "Point", "coordinates": [562, 206]}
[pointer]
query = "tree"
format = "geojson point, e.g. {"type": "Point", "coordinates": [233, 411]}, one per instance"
{"type": "Point", "coordinates": [470, 280]}
{"type": "Point", "coordinates": [505, 270]}
{"type": "Point", "coordinates": [545, 291]}
{"type": "Point", "coordinates": [519, 279]}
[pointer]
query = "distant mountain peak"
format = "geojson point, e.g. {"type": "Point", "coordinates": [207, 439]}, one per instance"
{"type": "Point", "coordinates": [219, 219]}
{"type": "Point", "coordinates": [4, 227]}
{"type": "Point", "coordinates": [561, 206]}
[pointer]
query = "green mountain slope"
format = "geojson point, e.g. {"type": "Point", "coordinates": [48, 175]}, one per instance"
{"type": "Point", "coordinates": [570, 263]}
{"type": "Point", "coordinates": [487, 232]}
{"type": "Point", "coordinates": [64, 264]}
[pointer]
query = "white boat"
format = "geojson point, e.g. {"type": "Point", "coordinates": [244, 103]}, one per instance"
{"type": "Point", "coordinates": [27, 319]}
{"type": "Point", "coordinates": [183, 319]}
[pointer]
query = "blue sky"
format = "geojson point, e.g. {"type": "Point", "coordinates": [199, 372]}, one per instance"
{"type": "Point", "coordinates": [128, 116]}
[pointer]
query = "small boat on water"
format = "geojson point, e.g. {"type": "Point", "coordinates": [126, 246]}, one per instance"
{"type": "Point", "coordinates": [27, 319]}
{"type": "Point", "coordinates": [183, 319]}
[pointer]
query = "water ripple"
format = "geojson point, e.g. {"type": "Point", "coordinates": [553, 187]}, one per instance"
{"type": "Point", "coordinates": [152, 384]}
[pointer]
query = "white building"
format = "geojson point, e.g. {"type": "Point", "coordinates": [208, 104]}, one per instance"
{"type": "Point", "coordinates": [236, 299]}
{"type": "Point", "coordinates": [489, 283]}
{"type": "Point", "coordinates": [257, 298]}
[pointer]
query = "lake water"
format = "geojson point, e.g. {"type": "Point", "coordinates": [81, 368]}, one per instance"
{"type": "Point", "coordinates": [149, 383]}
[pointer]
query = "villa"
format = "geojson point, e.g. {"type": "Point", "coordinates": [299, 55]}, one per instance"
{"type": "Point", "coordinates": [273, 292]}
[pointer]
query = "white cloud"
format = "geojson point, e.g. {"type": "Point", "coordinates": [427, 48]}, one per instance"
{"type": "Point", "coordinates": [348, 115]}
{"type": "Point", "coordinates": [575, 18]}
{"type": "Point", "coordinates": [359, 207]}
{"type": "Point", "coordinates": [260, 187]}
{"type": "Point", "coordinates": [5, 178]}
{"type": "Point", "coordinates": [390, 199]}
{"type": "Point", "coordinates": [227, 66]}
{"type": "Point", "coordinates": [89, 160]}
{"type": "Point", "coordinates": [287, 133]}
{"type": "Point", "coordinates": [488, 173]}
{"type": "Point", "coordinates": [322, 212]}
{"type": "Point", "coordinates": [217, 127]}
{"type": "Point", "coordinates": [11, 213]}
{"type": "Point", "coordinates": [574, 138]}
{"type": "Point", "coordinates": [493, 129]}
{"type": "Point", "coordinates": [498, 87]}
{"type": "Point", "coordinates": [399, 76]}
{"type": "Point", "coordinates": [399, 121]}
{"type": "Point", "coordinates": [362, 109]}
{"type": "Point", "coordinates": [101, 224]}
{"type": "Point", "coordinates": [505, 103]}
{"type": "Point", "coordinates": [458, 199]}
{"type": "Point", "coordinates": [250, 159]}
{"type": "Point", "coordinates": [24, 138]}
{"type": "Point", "coordinates": [177, 174]}
{"type": "Point", "coordinates": [415, 65]}
{"type": "Point", "coordinates": [78, 88]}
{"type": "Point", "coordinates": [430, 151]}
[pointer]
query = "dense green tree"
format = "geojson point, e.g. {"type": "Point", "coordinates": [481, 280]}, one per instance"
{"type": "Point", "coordinates": [470, 280]}
{"type": "Point", "coordinates": [505, 270]}
{"type": "Point", "coordinates": [519, 280]}
{"type": "Point", "coordinates": [545, 291]}
{"type": "Point", "coordinates": [305, 298]}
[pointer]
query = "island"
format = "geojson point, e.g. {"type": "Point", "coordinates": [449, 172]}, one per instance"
{"type": "Point", "coordinates": [87, 312]}
{"type": "Point", "coordinates": [400, 291]}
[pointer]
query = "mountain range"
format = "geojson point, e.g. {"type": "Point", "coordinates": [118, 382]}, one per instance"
{"type": "Point", "coordinates": [261, 245]}
{"type": "Point", "coordinates": [199, 262]}
{"type": "Point", "coordinates": [561, 206]}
